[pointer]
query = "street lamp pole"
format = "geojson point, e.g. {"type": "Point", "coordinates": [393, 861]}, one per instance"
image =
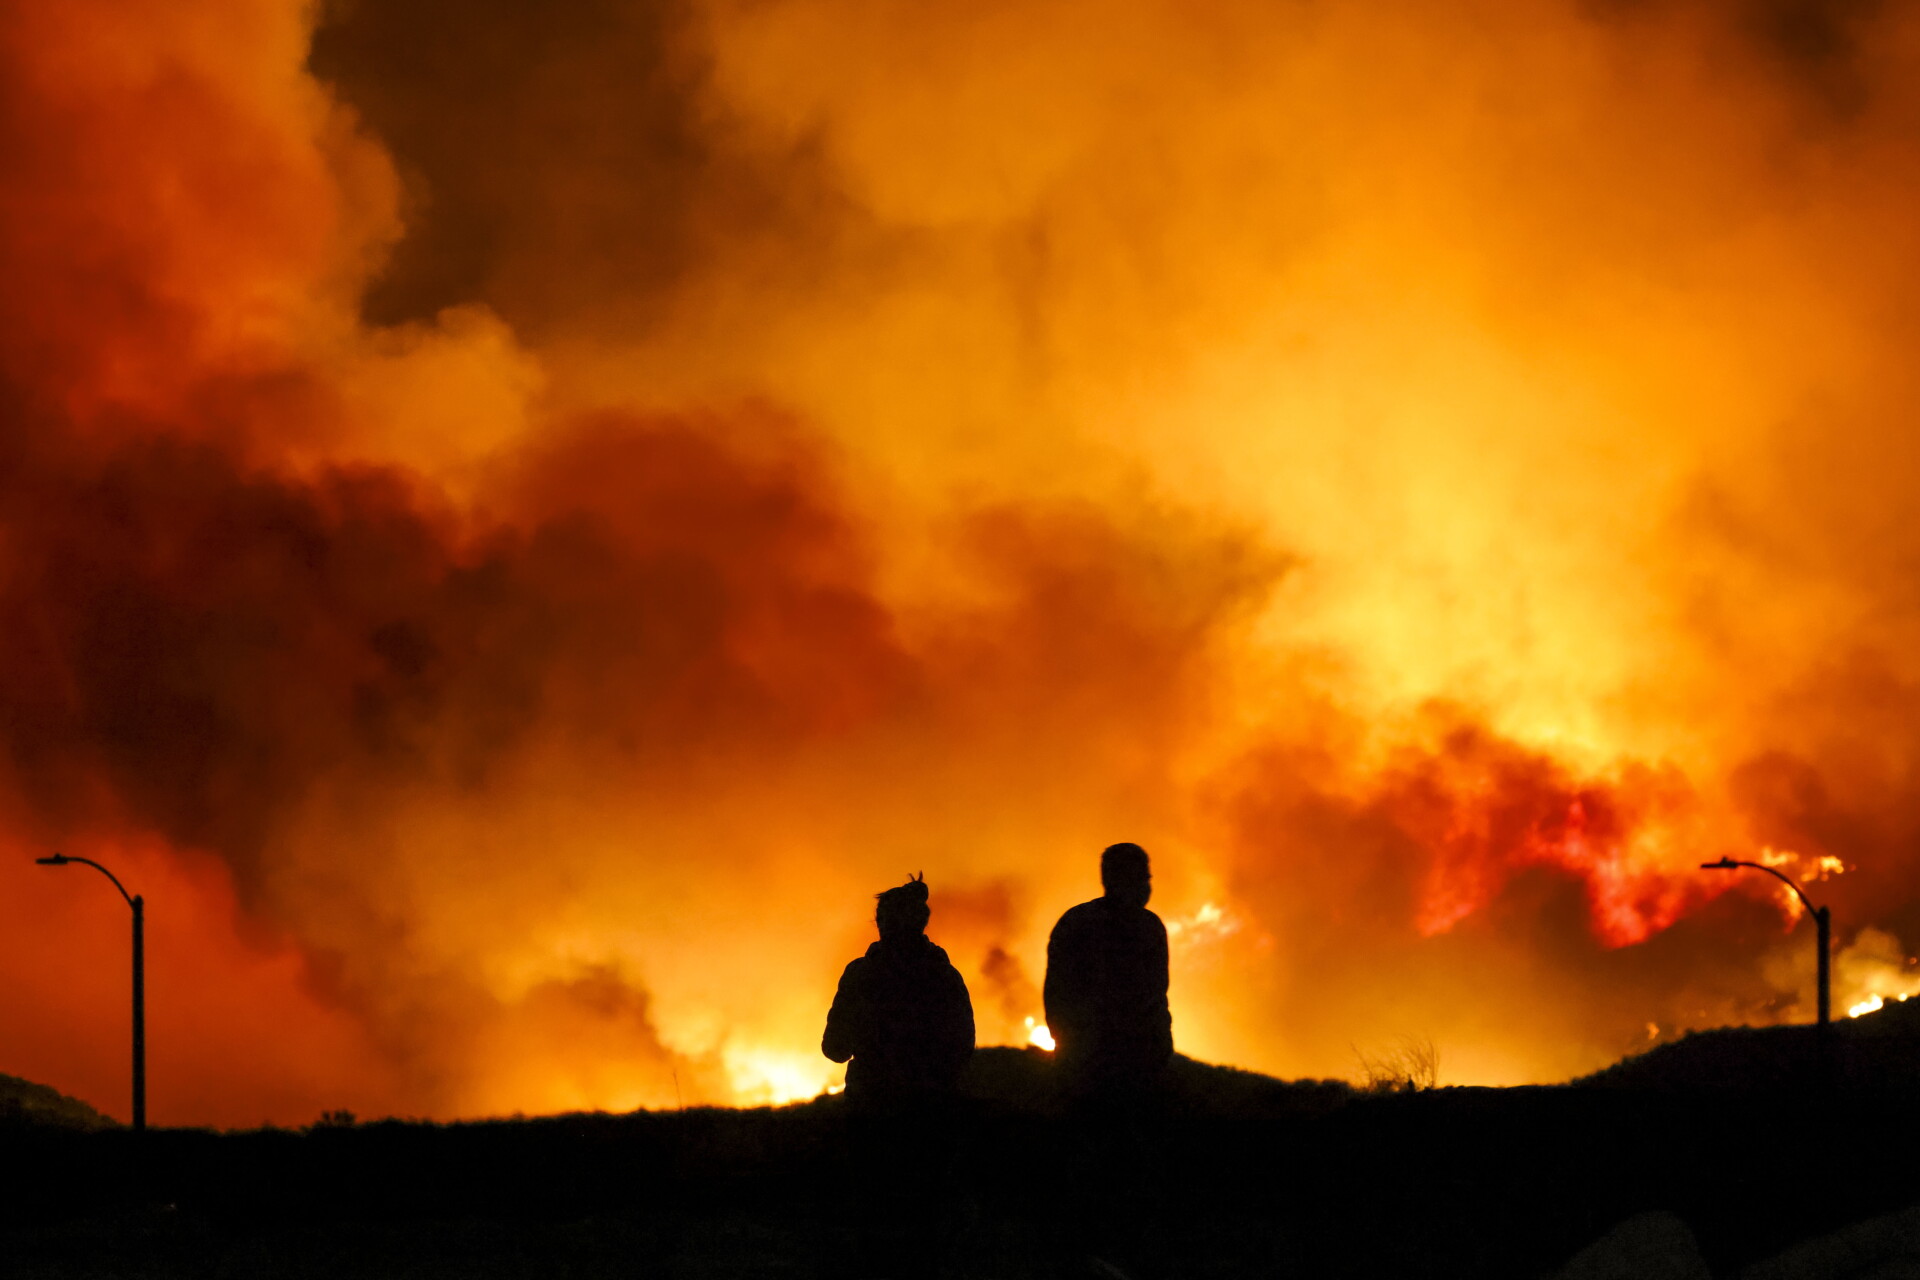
{"type": "Point", "coordinates": [139, 983]}
{"type": "Point", "coordinates": [1822, 924]}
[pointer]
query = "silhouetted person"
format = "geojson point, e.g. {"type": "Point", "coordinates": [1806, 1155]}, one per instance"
{"type": "Point", "coordinates": [902, 1013]}
{"type": "Point", "coordinates": [1106, 988]}
{"type": "Point", "coordinates": [1106, 1003]}
{"type": "Point", "coordinates": [903, 1017]}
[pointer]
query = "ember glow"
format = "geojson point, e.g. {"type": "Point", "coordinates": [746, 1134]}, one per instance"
{"type": "Point", "coordinates": [517, 520]}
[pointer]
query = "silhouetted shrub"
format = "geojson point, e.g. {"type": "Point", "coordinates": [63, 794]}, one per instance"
{"type": "Point", "coordinates": [1412, 1065]}
{"type": "Point", "coordinates": [22, 1102]}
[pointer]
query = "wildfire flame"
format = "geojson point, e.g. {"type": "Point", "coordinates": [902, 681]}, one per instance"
{"type": "Point", "coordinates": [774, 1077]}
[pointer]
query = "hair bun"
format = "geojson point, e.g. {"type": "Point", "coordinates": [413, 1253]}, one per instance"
{"type": "Point", "coordinates": [914, 891]}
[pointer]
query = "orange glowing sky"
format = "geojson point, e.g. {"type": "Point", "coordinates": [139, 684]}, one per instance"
{"type": "Point", "coordinates": [516, 521]}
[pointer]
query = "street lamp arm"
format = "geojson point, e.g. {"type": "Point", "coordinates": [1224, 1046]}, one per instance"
{"type": "Point", "coordinates": [1781, 876]}
{"type": "Point", "coordinates": [61, 859]}
{"type": "Point", "coordinates": [1822, 931]}
{"type": "Point", "coordinates": [139, 983]}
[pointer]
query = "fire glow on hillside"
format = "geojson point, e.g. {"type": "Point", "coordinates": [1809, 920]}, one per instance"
{"type": "Point", "coordinates": [517, 520]}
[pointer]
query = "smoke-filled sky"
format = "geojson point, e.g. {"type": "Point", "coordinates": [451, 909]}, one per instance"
{"type": "Point", "coordinates": [517, 520]}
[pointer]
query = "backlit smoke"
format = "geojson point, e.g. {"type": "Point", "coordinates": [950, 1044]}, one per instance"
{"type": "Point", "coordinates": [515, 521]}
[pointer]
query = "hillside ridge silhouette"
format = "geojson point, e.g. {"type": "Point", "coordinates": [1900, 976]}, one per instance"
{"type": "Point", "coordinates": [1875, 1052]}
{"type": "Point", "coordinates": [1256, 1176]}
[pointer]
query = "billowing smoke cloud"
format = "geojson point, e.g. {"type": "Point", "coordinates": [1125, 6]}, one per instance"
{"type": "Point", "coordinates": [516, 521]}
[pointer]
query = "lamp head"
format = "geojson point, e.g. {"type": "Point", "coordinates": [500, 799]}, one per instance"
{"type": "Point", "coordinates": [1725, 864]}
{"type": "Point", "coordinates": [57, 860]}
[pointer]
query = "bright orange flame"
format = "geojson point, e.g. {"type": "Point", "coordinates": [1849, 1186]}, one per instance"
{"type": "Point", "coordinates": [1039, 1036]}
{"type": "Point", "coordinates": [777, 1077]}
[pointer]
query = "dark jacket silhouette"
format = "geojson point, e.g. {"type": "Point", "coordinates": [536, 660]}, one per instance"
{"type": "Point", "coordinates": [1106, 987]}
{"type": "Point", "coordinates": [902, 1013]}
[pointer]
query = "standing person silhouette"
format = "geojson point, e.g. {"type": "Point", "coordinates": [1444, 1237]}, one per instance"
{"type": "Point", "coordinates": [903, 1023]}
{"type": "Point", "coordinates": [1106, 987]}
{"type": "Point", "coordinates": [1106, 1003]}
{"type": "Point", "coordinates": [902, 1013]}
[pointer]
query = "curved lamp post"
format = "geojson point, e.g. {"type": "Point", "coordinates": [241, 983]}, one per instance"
{"type": "Point", "coordinates": [139, 984]}
{"type": "Point", "coordinates": [1821, 923]}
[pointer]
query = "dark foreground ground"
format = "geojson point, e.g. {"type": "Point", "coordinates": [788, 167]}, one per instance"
{"type": "Point", "coordinates": [1755, 1144]}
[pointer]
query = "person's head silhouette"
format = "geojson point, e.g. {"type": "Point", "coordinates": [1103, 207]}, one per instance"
{"type": "Point", "coordinates": [1125, 875]}
{"type": "Point", "coordinates": [902, 913]}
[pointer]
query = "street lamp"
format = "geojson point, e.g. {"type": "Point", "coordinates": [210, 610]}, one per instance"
{"type": "Point", "coordinates": [1821, 923]}
{"type": "Point", "coordinates": [139, 984]}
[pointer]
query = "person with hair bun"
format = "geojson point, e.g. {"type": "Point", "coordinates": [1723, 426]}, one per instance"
{"type": "Point", "coordinates": [902, 1013]}
{"type": "Point", "coordinates": [903, 1023]}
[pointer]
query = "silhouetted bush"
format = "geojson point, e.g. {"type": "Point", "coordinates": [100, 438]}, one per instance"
{"type": "Point", "coordinates": [24, 1103]}
{"type": "Point", "coordinates": [1411, 1065]}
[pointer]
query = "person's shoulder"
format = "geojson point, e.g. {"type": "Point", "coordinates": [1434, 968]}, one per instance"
{"type": "Point", "coordinates": [1078, 917]}
{"type": "Point", "coordinates": [855, 967]}
{"type": "Point", "coordinates": [943, 963]}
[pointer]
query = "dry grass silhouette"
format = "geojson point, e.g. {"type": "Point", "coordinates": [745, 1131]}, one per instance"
{"type": "Point", "coordinates": [1411, 1065]}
